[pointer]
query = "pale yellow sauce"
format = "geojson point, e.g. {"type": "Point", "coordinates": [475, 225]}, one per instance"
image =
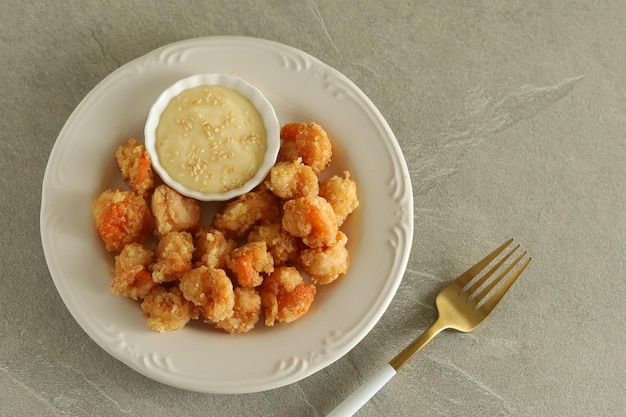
{"type": "Point", "coordinates": [211, 139]}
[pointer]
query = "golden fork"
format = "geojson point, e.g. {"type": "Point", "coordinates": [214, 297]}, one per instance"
{"type": "Point", "coordinates": [461, 306]}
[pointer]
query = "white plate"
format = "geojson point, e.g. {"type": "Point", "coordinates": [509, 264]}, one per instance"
{"type": "Point", "coordinates": [198, 358]}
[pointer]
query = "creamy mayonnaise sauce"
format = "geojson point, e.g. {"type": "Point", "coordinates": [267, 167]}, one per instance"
{"type": "Point", "coordinates": [211, 139]}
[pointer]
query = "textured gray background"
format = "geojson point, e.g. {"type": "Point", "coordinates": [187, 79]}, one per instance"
{"type": "Point", "coordinates": [511, 116]}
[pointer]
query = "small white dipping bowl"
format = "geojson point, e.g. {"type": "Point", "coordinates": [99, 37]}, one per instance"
{"type": "Point", "coordinates": [258, 100]}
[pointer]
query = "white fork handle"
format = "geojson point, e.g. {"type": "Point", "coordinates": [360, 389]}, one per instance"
{"type": "Point", "coordinates": [358, 398]}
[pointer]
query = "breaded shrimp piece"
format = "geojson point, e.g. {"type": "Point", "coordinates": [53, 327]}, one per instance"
{"type": "Point", "coordinates": [174, 212]}
{"type": "Point", "coordinates": [131, 277]}
{"type": "Point", "coordinates": [285, 295]}
{"type": "Point", "coordinates": [292, 179]}
{"type": "Point", "coordinates": [325, 265]}
{"type": "Point", "coordinates": [241, 214]}
{"type": "Point", "coordinates": [311, 218]}
{"type": "Point", "coordinates": [173, 257]}
{"type": "Point", "coordinates": [281, 244]}
{"type": "Point", "coordinates": [212, 247]}
{"type": "Point", "coordinates": [134, 162]}
{"type": "Point", "coordinates": [210, 290]}
{"type": "Point", "coordinates": [167, 309]}
{"type": "Point", "coordinates": [247, 312]}
{"type": "Point", "coordinates": [121, 217]}
{"type": "Point", "coordinates": [308, 141]}
{"type": "Point", "coordinates": [248, 262]}
{"type": "Point", "coordinates": [341, 193]}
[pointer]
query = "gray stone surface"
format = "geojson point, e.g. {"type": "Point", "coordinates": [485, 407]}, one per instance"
{"type": "Point", "coordinates": [512, 118]}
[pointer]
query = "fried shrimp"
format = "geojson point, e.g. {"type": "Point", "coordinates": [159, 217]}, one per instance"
{"type": "Point", "coordinates": [167, 309]}
{"type": "Point", "coordinates": [247, 312]}
{"type": "Point", "coordinates": [311, 218]}
{"type": "Point", "coordinates": [341, 193]}
{"type": "Point", "coordinates": [308, 141]}
{"type": "Point", "coordinates": [174, 212]}
{"type": "Point", "coordinates": [293, 179]}
{"type": "Point", "coordinates": [241, 214]}
{"type": "Point", "coordinates": [210, 290]}
{"type": "Point", "coordinates": [121, 217]}
{"type": "Point", "coordinates": [248, 262]}
{"type": "Point", "coordinates": [325, 265]}
{"type": "Point", "coordinates": [131, 277]}
{"type": "Point", "coordinates": [264, 254]}
{"type": "Point", "coordinates": [281, 244]}
{"type": "Point", "coordinates": [173, 257]}
{"type": "Point", "coordinates": [212, 247]}
{"type": "Point", "coordinates": [134, 162]}
{"type": "Point", "coordinates": [285, 295]}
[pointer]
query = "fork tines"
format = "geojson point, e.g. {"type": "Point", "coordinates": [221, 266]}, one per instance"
{"type": "Point", "coordinates": [479, 283]}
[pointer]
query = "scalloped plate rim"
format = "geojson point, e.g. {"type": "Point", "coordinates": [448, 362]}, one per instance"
{"type": "Point", "coordinates": [311, 361]}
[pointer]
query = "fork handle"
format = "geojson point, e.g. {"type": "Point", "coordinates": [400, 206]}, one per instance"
{"type": "Point", "coordinates": [358, 398]}
{"type": "Point", "coordinates": [411, 350]}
